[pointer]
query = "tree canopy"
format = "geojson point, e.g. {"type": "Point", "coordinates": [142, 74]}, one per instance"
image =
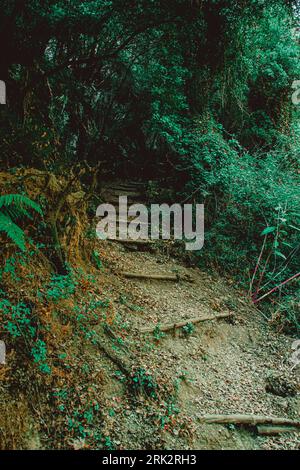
{"type": "Point", "coordinates": [196, 94]}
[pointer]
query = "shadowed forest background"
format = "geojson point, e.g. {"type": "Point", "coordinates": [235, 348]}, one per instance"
{"type": "Point", "coordinates": [191, 97]}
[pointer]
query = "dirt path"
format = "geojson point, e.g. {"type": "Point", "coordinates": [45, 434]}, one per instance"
{"type": "Point", "coordinates": [233, 365]}
{"type": "Point", "coordinates": [218, 367]}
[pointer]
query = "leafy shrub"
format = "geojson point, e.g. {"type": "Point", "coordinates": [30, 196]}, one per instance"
{"type": "Point", "coordinates": [14, 207]}
{"type": "Point", "coordinates": [18, 322]}
{"type": "Point", "coordinates": [39, 354]}
{"type": "Point", "coordinates": [188, 329]}
{"type": "Point", "coordinates": [158, 334]}
{"type": "Point", "coordinates": [142, 381]}
{"type": "Point", "coordinates": [289, 313]}
{"type": "Point", "coordinates": [61, 286]}
{"type": "Point", "coordinates": [248, 197]}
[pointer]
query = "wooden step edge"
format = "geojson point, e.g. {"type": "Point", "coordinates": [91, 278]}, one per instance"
{"type": "Point", "coordinates": [180, 324]}
{"type": "Point", "coordinates": [159, 277]}
{"type": "Point", "coordinates": [129, 241]}
{"type": "Point", "coordinates": [118, 193]}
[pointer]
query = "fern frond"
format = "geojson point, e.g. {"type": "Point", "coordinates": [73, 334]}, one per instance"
{"type": "Point", "coordinates": [12, 230]}
{"type": "Point", "coordinates": [14, 213]}
{"type": "Point", "coordinates": [19, 201]}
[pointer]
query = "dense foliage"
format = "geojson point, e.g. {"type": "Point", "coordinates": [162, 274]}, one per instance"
{"type": "Point", "coordinates": [195, 93]}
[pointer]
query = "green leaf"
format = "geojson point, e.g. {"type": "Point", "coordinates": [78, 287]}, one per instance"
{"type": "Point", "coordinates": [12, 230]}
{"type": "Point", "coordinates": [295, 228]}
{"type": "Point", "coordinates": [268, 230]}
{"type": "Point", "coordinates": [281, 255]}
{"type": "Point", "coordinates": [19, 201]}
{"type": "Point", "coordinates": [13, 206]}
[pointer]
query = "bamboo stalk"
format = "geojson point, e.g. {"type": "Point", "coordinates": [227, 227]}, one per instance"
{"type": "Point", "coordinates": [273, 430]}
{"type": "Point", "coordinates": [129, 241]}
{"type": "Point", "coordinates": [277, 287]}
{"type": "Point", "coordinates": [161, 277]}
{"type": "Point", "coordinates": [252, 420]}
{"type": "Point", "coordinates": [171, 326]}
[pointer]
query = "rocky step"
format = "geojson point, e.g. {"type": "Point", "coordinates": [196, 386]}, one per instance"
{"type": "Point", "coordinates": [123, 192]}
{"type": "Point", "coordinates": [114, 199]}
{"type": "Point", "coordinates": [157, 277]}
{"type": "Point", "coordinates": [131, 186]}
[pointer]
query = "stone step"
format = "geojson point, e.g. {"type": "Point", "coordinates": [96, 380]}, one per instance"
{"type": "Point", "coordinates": [158, 277]}
{"type": "Point", "coordinates": [114, 200]}
{"type": "Point", "coordinates": [123, 192]}
{"type": "Point", "coordinates": [131, 242]}
{"type": "Point", "coordinates": [138, 186]}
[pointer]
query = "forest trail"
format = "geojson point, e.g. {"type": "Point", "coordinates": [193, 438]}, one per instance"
{"type": "Point", "coordinates": [119, 345]}
{"type": "Point", "coordinates": [151, 389]}
{"type": "Point", "coordinates": [234, 365]}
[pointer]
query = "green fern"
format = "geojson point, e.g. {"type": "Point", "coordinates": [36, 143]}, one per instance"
{"type": "Point", "coordinates": [13, 207]}
{"type": "Point", "coordinates": [19, 202]}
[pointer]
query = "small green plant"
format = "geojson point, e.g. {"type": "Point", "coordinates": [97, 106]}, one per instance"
{"type": "Point", "coordinates": [143, 382]}
{"type": "Point", "coordinates": [90, 309]}
{"type": "Point", "coordinates": [170, 411]}
{"type": "Point", "coordinates": [230, 426]}
{"type": "Point", "coordinates": [120, 376]}
{"type": "Point", "coordinates": [158, 334]}
{"type": "Point", "coordinates": [97, 260]}
{"type": "Point", "coordinates": [188, 329]}
{"type": "Point", "coordinates": [61, 286]}
{"type": "Point", "coordinates": [124, 301]}
{"type": "Point", "coordinates": [39, 353]}
{"type": "Point", "coordinates": [182, 377]}
{"type": "Point", "coordinates": [18, 321]}
{"type": "Point", "coordinates": [108, 444]}
{"type": "Point", "coordinates": [135, 308]}
{"type": "Point", "coordinates": [14, 207]}
{"type": "Point", "coordinates": [80, 413]}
